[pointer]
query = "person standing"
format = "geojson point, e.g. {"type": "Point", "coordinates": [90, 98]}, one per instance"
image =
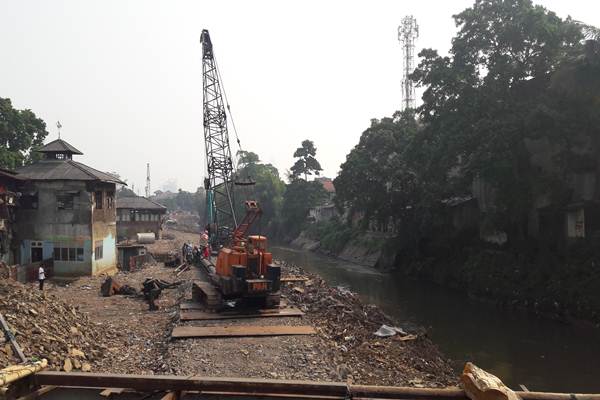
{"type": "Point", "coordinates": [41, 276]}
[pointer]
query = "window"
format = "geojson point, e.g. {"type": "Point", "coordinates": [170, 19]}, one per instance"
{"type": "Point", "coordinates": [60, 156]}
{"type": "Point", "coordinates": [63, 252]}
{"type": "Point", "coordinates": [80, 254]}
{"type": "Point", "coordinates": [29, 201]}
{"type": "Point", "coordinates": [98, 199]}
{"type": "Point", "coordinates": [64, 201]}
{"type": "Point", "coordinates": [110, 200]}
{"type": "Point", "coordinates": [98, 250]}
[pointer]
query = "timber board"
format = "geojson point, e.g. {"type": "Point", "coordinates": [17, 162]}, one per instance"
{"type": "Point", "coordinates": [194, 315]}
{"type": "Point", "coordinates": [181, 332]}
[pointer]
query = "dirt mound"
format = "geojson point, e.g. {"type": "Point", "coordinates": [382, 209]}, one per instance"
{"type": "Point", "coordinates": [47, 327]}
{"type": "Point", "coordinates": [349, 325]}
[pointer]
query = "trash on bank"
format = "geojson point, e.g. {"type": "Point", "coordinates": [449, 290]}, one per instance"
{"type": "Point", "coordinates": [387, 331]}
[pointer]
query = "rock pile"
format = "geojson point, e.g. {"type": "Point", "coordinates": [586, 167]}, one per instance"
{"type": "Point", "coordinates": [349, 325]}
{"type": "Point", "coordinates": [46, 327]}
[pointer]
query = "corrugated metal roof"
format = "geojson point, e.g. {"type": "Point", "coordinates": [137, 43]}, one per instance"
{"type": "Point", "coordinates": [139, 203]}
{"type": "Point", "coordinates": [59, 146]}
{"type": "Point", "coordinates": [52, 170]}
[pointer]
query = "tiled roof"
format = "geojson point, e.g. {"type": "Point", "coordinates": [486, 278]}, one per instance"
{"type": "Point", "coordinates": [59, 146]}
{"type": "Point", "coordinates": [48, 170]}
{"type": "Point", "coordinates": [138, 203]}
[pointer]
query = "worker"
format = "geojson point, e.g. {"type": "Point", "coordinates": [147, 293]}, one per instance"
{"type": "Point", "coordinates": [41, 276]}
{"type": "Point", "coordinates": [184, 251]}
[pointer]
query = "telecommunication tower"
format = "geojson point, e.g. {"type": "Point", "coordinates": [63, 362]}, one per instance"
{"type": "Point", "coordinates": [147, 180]}
{"type": "Point", "coordinates": [408, 32]}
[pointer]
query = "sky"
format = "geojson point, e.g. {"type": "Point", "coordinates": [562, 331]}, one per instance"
{"type": "Point", "coordinates": [124, 78]}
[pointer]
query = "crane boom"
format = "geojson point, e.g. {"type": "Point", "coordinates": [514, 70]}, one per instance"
{"type": "Point", "coordinates": [220, 170]}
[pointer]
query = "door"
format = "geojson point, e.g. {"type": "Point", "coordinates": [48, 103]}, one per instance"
{"type": "Point", "coordinates": [36, 254]}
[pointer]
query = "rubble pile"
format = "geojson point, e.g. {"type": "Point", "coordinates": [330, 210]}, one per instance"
{"type": "Point", "coordinates": [46, 327]}
{"type": "Point", "coordinates": [408, 357]}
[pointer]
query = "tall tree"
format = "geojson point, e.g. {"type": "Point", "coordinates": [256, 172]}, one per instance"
{"type": "Point", "coordinates": [306, 163]}
{"type": "Point", "coordinates": [481, 102]}
{"type": "Point", "coordinates": [20, 132]}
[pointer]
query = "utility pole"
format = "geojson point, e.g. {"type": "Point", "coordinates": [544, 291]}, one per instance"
{"type": "Point", "coordinates": [147, 180]}
{"type": "Point", "coordinates": [408, 32]}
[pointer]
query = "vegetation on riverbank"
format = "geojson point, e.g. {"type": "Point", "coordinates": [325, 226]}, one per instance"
{"type": "Point", "coordinates": [492, 184]}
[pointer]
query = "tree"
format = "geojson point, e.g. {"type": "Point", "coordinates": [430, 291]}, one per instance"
{"type": "Point", "coordinates": [246, 158]}
{"type": "Point", "coordinates": [381, 179]}
{"type": "Point", "coordinates": [20, 132]}
{"type": "Point", "coordinates": [306, 164]}
{"type": "Point", "coordinates": [486, 100]}
{"type": "Point", "coordinates": [267, 189]}
{"type": "Point", "coordinates": [299, 197]}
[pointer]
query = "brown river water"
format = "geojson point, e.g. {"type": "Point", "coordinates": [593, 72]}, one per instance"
{"type": "Point", "coordinates": [542, 354]}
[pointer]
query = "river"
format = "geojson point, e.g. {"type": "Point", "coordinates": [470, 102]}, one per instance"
{"type": "Point", "coordinates": [543, 355]}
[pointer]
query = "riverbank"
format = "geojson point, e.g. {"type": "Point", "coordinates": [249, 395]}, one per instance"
{"type": "Point", "coordinates": [541, 353]}
{"type": "Point", "coordinates": [560, 287]}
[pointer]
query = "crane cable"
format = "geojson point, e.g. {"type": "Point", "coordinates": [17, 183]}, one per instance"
{"type": "Point", "coordinates": [234, 161]}
{"type": "Point", "coordinates": [228, 111]}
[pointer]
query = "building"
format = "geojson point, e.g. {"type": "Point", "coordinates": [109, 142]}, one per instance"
{"type": "Point", "coordinates": [9, 186]}
{"type": "Point", "coordinates": [67, 213]}
{"type": "Point", "coordinates": [139, 215]}
{"type": "Point", "coordinates": [326, 210]}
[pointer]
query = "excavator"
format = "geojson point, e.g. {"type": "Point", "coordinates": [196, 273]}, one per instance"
{"type": "Point", "coordinates": [243, 269]}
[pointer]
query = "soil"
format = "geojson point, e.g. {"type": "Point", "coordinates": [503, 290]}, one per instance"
{"type": "Point", "coordinates": [119, 334]}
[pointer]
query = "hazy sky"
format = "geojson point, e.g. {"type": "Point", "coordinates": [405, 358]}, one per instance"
{"type": "Point", "coordinates": [124, 77]}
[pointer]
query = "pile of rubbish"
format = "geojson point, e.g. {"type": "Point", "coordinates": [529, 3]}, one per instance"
{"type": "Point", "coordinates": [46, 327]}
{"type": "Point", "coordinates": [376, 347]}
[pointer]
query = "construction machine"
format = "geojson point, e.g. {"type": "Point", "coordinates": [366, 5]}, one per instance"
{"type": "Point", "coordinates": [243, 268]}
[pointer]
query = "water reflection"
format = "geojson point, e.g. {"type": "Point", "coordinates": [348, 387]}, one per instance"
{"type": "Point", "coordinates": [541, 354]}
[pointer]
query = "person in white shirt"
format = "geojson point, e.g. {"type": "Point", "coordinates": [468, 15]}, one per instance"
{"type": "Point", "coordinates": [41, 277]}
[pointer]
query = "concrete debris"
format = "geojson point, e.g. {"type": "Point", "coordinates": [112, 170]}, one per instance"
{"type": "Point", "coordinates": [46, 327]}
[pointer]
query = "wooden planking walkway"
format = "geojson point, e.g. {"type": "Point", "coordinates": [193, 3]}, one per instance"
{"type": "Point", "coordinates": [194, 315]}
{"type": "Point", "coordinates": [180, 332]}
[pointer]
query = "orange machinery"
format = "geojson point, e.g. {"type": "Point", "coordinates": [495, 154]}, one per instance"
{"type": "Point", "coordinates": [246, 269]}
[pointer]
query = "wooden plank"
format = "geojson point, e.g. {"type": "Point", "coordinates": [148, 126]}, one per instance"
{"type": "Point", "coordinates": [293, 279]}
{"type": "Point", "coordinates": [192, 305]}
{"type": "Point", "coordinates": [257, 387]}
{"type": "Point", "coordinates": [192, 315]}
{"type": "Point", "coordinates": [36, 394]}
{"type": "Point", "coordinates": [109, 391]}
{"type": "Point", "coordinates": [9, 335]}
{"type": "Point", "coordinates": [180, 332]}
{"type": "Point", "coordinates": [147, 383]}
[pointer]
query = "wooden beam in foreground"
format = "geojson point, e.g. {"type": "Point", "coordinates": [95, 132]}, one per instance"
{"type": "Point", "coordinates": [251, 386]}
{"type": "Point", "coordinates": [192, 315]}
{"type": "Point", "coordinates": [180, 332]}
{"type": "Point", "coordinates": [148, 383]}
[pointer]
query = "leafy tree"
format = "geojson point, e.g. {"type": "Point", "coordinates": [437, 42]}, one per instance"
{"type": "Point", "coordinates": [300, 196]}
{"type": "Point", "coordinates": [247, 157]}
{"type": "Point", "coordinates": [306, 163]}
{"type": "Point", "coordinates": [381, 178]}
{"type": "Point", "coordinates": [20, 132]}
{"type": "Point", "coordinates": [267, 189]}
{"type": "Point", "coordinates": [485, 100]}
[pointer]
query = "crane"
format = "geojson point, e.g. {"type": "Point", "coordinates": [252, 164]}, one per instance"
{"type": "Point", "coordinates": [244, 267]}
{"type": "Point", "coordinates": [220, 203]}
